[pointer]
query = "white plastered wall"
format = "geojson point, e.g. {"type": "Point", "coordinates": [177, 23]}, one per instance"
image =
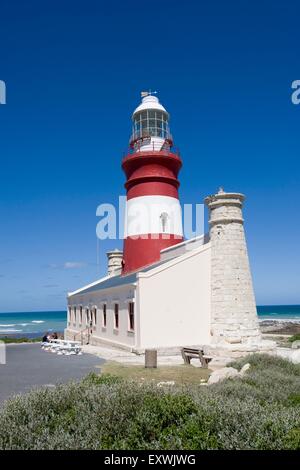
{"type": "Point", "coordinates": [122, 336]}
{"type": "Point", "coordinates": [174, 302]}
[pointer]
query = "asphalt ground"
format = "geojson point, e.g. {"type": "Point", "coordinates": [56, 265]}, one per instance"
{"type": "Point", "coordinates": [28, 367]}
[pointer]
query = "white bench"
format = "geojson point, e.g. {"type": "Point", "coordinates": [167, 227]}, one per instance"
{"type": "Point", "coordinates": [61, 346]}
{"type": "Point", "coordinates": [51, 344]}
{"type": "Point", "coordinates": [69, 348]}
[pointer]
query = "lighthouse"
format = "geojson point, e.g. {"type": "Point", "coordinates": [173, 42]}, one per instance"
{"type": "Point", "coordinates": [153, 219]}
{"type": "Point", "coordinates": [162, 291]}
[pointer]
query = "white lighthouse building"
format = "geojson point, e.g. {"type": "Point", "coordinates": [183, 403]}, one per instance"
{"type": "Point", "coordinates": [163, 291]}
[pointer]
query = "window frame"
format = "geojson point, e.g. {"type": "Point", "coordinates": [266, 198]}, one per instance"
{"type": "Point", "coordinates": [116, 316]}
{"type": "Point", "coordinates": [141, 124]}
{"type": "Point", "coordinates": [104, 316]}
{"type": "Point", "coordinates": [131, 317]}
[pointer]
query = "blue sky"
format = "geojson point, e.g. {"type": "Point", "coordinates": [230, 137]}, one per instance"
{"type": "Point", "coordinates": [74, 71]}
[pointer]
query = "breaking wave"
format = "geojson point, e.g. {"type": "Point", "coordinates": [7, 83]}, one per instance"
{"type": "Point", "coordinates": [10, 330]}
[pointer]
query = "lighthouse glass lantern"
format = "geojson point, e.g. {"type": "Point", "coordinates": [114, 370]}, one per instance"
{"type": "Point", "coordinates": [150, 126]}
{"type": "Point", "coordinates": [153, 219]}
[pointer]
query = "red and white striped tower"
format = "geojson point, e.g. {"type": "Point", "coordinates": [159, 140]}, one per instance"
{"type": "Point", "coordinates": [153, 219]}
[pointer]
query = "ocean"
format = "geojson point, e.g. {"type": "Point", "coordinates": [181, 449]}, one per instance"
{"type": "Point", "coordinates": [279, 312]}
{"type": "Point", "coordinates": [34, 324]}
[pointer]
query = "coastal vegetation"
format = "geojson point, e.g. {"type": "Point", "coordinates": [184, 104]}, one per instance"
{"type": "Point", "coordinates": [11, 339]}
{"type": "Point", "coordinates": [294, 338]}
{"type": "Point", "coordinates": [260, 410]}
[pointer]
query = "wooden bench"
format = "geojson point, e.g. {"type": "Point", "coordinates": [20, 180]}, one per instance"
{"type": "Point", "coordinates": [189, 353]}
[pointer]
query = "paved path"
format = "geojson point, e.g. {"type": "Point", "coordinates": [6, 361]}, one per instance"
{"type": "Point", "coordinates": [127, 357]}
{"type": "Point", "coordinates": [163, 359]}
{"type": "Point", "coordinates": [28, 366]}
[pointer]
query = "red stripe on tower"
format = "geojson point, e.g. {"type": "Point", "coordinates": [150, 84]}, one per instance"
{"type": "Point", "coordinates": [153, 218]}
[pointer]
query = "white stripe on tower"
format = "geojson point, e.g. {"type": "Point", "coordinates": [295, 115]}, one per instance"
{"type": "Point", "coordinates": [153, 215]}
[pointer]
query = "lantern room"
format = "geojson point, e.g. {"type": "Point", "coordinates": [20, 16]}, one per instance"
{"type": "Point", "coordinates": [150, 126]}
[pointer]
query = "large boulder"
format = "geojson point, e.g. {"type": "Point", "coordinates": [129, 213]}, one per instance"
{"type": "Point", "coordinates": [292, 355]}
{"type": "Point", "coordinates": [244, 369]}
{"type": "Point", "coordinates": [295, 357]}
{"type": "Point", "coordinates": [222, 374]}
{"type": "Point", "coordinates": [296, 344]}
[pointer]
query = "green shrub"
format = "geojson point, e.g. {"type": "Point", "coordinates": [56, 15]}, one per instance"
{"type": "Point", "coordinates": [294, 399]}
{"type": "Point", "coordinates": [292, 440]}
{"type": "Point", "coordinates": [94, 379]}
{"type": "Point", "coordinates": [259, 411]}
{"type": "Point", "coordinates": [294, 338]}
{"type": "Point", "coordinates": [263, 362]}
{"type": "Point", "coordinates": [158, 419]}
{"type": "Point", "coordinates": [269, 379]}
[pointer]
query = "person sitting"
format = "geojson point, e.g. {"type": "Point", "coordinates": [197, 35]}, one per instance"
{"type": "Point", "coordinates": [54, 336]}
{"type": "Point", "coordinates": [45, 338]}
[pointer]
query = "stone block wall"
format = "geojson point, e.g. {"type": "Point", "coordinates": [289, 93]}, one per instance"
{"type": "Point", "coordinates": [233, 315]}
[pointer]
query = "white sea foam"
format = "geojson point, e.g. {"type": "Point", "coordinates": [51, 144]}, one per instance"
{"type": "Point", "coordinates": [24, 324]}
{"type": "Point", "coordinates": [10, 331]}
{"type": "Point", "coordinates": [280, 320]}
{"type": "Point", "coordinates": [38, 321]}
{"type": "Point", "coordinates": [6, 324]}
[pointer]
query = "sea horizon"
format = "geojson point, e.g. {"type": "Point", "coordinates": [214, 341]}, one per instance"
{"type": "Point", "coordinates": [35, 323]}
{"type": "Point", "coordinates": [32, 323]}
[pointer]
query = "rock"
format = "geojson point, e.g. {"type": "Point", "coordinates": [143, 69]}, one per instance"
{"type": "Point", "coordinates": [245, 368]}
{"type": "Point", "coordinates": [167, 383]}
{"type": "Point", "coordinates": [296, 344]}
{"type": "Point", "coordinates": [295, 357]}
{"type": "Point", "coordinates": [234, 340]}
{"type": "Point", "coordinates": [222, 374]}
{"type": "Point", "coordinates": [292, 355]}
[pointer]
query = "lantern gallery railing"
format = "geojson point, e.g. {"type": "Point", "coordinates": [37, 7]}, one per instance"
{"type": "Point", "coordinates": [151, 146]}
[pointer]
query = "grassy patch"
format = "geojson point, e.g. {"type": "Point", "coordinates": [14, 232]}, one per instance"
{"type": "Point", "coordinates": [181, 374]}
{"type": "Point", "coordinates": [8, 340]}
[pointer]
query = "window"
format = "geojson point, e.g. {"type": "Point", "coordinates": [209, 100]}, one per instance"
{"type": "Point", "coordinates": [131, 315]}
{"type": "Point", "coordinates": [75, 314]}
{"type": "Point", "coordinates": [95, 316]}
{"type": "Point", "coordinates": [80, 313]}
{"type": "Point", "coordinates": [87, 314]}
{"type": "Point", "coordinates": [164, 220]}
{"type": "Point", "coordinates": [116, 316]}
{"type": "Point", "coordinates": [104, 316]}
{"type": "Point", "coordinates": [150, 123]}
